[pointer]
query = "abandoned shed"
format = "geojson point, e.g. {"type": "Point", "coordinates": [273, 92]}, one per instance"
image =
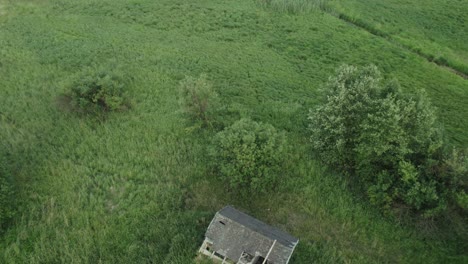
{"type": "Point", "coordinates": [235, 237]}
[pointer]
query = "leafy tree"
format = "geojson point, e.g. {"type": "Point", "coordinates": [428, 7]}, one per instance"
{"type": "Point", "coordinates": [390, 140]}
{"type": "Point", "coordinates": [335, 125]}
{"type": "Point", "coordinates": [249, 155]}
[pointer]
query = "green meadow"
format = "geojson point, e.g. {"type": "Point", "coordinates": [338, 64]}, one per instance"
{"type": "Point", "coordinates": [437, 30]}
{"type": "Point", "coordinates": [136, 186]}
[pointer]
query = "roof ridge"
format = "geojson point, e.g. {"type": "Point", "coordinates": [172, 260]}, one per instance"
{"type": "Point", "coordinates": [258, 226]}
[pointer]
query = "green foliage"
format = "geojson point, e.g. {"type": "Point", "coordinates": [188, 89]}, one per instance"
{"type": "Point", "coordinates": [431, 33]}
{"type": "Point", "coordinates": [198, 98]}
{"type": "Point", "coordinates": [417, 191]}
{"type": "Point", "coordinates": [462, 200]}
{"type": "Point", "coordinates": [249, 156]}
{"type": "Point", "coordinates": [97, 91]}
{"type": "Point", "coordinates": [335, 125]}
{"type": "Point", "coordinates": [122, 191]}
{"type": "Point", "coordinates": [453, 169]}
{"type": "Point", "coordinates": [386, 138]}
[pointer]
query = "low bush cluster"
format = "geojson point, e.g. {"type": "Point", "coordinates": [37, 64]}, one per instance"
{"type": "Point", "coordinates": [249, 156]}
{"type": "Point", "coordinates": [198, 98]}
{"type": "Point", "coordinates": [98, 91]}
{"type": "Point", "coordinates": [389, 140]}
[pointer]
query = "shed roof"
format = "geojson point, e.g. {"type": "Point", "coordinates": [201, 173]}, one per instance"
{"type": "Point", "coordinates": [234, 232]}
{"type": "Point", "coordinates": [258, 226]}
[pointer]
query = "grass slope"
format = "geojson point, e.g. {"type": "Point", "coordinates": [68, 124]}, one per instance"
{"type": "Point", "coordinates": [136, 187]}
{"type": "Point", "coordinates": [437, 30]}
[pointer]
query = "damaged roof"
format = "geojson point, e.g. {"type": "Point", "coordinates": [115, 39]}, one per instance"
{"type": "Point", "coordinates": [234, 232]}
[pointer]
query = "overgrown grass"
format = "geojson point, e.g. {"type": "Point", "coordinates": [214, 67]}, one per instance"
{"type": "Point", "coordinates": [435, 30]}
{"type": "Point", "coordinates": [292, 6]}
{"type": "Point", "coordinates": [137, 188]}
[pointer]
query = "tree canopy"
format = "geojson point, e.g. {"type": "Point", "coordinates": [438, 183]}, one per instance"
{"type": "Point", "coordinates": [368, 128]}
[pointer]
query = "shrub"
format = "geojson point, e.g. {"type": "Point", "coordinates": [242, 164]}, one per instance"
{"type": "Point", "coordinates": [249, 155]}
{"type": "Point", "coordinates": [197, 98]}
{"type": "Point", "coordinates": [454, 170]}
{"type": "Point", "coordinates": [390, 140]}
{"type": "Point", "coordinates": [98, 91]}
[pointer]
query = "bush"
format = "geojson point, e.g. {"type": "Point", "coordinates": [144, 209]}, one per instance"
{"type": "Point", "coordinates": [249, 156]}
{"type": "Point", "coordinates": [391, 141]}
{"type": "Point", "coordinates": [454, 170]}
{"type": "Point", "coordinates": [197, 98]}
{"type": "Point", "coordinates": [98, 91]}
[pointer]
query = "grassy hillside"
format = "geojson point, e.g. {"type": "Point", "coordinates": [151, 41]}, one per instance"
{"type": "Point", "coordinates": [438, 30]}
{"type": "Point", "coordinates": [136, 186]}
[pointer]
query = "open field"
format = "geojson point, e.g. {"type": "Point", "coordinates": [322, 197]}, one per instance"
{"type": "Point", "coordinates": [137, 188]}
{"type": "Point", "coordinates": [437, 30]}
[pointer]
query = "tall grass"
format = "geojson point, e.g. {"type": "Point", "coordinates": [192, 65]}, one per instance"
{"type": "Point", "coordinates": [436, 33]}
{"type": "Point", "coordinates": [292, 6]}
{"type": "Point", "coordinates": [136, 188]}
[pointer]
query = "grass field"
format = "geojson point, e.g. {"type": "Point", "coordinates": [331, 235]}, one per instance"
{"type": "Point", "coordinates": [136, 187]}
{"type": "Point", "coordinates": [437, 30]}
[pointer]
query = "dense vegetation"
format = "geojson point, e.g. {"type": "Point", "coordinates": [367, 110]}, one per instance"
{"type": "Point", "coordinates": [389, 141]}
{"type": "Point", "coordinates": [97, 91]}
{"type": "Point", "coordinates": [198, 99]}
{"type": "Point", "coordinates": [427, 29]}
{"type": "Point", "coordinates": [249, 157]}
{"type": "Point", "coordinates": [139, 186]}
